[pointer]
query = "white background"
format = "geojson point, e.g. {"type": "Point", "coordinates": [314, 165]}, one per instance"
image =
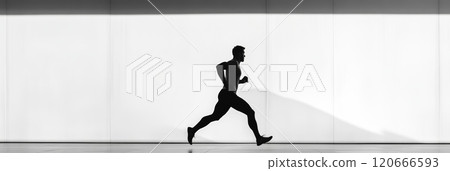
{"type": "Point", "coordinates": [62, 77]}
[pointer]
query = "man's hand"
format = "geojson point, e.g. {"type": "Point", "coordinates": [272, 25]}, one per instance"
{"type": "Point", "coordinates": [244, 80]}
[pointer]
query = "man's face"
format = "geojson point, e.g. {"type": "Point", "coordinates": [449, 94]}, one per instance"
{"type": "Point", "coordinates": [241, 56]}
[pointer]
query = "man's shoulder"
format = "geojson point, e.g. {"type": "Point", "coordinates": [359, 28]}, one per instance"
{"type": "Point", "coordinates": [231, 62]}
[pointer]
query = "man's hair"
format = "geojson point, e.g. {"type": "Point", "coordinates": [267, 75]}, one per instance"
{"type": "Point", "coordinates": [237, 50]}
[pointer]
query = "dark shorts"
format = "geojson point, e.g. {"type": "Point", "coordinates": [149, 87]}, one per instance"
{"type": "Point", "coordinates": [229, 99]}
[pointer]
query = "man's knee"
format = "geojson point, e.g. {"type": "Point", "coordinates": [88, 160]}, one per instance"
{"type": "Point", "coordinates": [250, 113]}
{"type": "Point", "coordinates": [214, 117]}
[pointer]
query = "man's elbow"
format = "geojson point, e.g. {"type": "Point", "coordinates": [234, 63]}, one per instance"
{"type": "Point", "coordinates": [219, 67]}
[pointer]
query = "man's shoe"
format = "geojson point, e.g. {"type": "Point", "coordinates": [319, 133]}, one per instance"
{"type": "Point", "coordinates": [190, 135]}
{"type": "Point", "coordinates": [262, 140]}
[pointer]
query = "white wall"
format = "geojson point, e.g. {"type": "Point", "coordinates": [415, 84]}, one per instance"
{"type": "Point", "coordinates": [57, 74]}
{"type": "Point", "coordinates": [2, 70]}
{"type": "Point", "coordinates": [445, 70]}
{"type": "Point", "coordinates": [386, 75]}
{"type": "Point", "coordinates": [306, 39]}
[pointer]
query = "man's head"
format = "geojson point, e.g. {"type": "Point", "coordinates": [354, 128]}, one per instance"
{"type": "Point", "coordinates": [238, 53]}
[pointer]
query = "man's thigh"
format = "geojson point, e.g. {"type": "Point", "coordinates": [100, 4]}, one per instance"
{"type": "Point", "coordinates": [241, 105]}
{"type": "Point", "coordinates": [221, 108]}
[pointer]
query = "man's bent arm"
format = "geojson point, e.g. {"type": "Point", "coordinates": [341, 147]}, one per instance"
{"type": "Point", "coordinates": [220, 68]}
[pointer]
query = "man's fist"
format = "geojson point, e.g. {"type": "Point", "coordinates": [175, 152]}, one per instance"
{"type": "Point", "coordinates": [244, 80]}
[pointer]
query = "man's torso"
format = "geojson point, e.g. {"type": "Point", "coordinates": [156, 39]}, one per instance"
{"type": "Point", "coordinates": [233, 74]}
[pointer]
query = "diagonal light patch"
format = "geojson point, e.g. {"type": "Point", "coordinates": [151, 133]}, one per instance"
{"type": "Point", "coordinates": [270, 33]}
{"type": "Point", "coordinates": [279, 131]}
{"type": "Point", "coordinates": [174, 129]}
{"type": "Point", "coordinates": [174, 27]}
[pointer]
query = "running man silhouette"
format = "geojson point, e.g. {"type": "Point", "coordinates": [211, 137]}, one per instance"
{"type": "Point", "coordinates": [228, 98]}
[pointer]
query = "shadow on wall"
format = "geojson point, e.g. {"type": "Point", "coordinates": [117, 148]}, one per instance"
{"type": "Point", "coordinates": [222, 7]}
{"type": "Point", "coordinates": [306, 120]}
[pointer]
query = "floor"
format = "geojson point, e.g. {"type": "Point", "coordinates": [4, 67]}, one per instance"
{"type": "Point", "coordinates": [220, 148]}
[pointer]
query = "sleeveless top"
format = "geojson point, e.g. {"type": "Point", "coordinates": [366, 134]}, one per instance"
{"type": "Point", "coordinates": [232, 75]}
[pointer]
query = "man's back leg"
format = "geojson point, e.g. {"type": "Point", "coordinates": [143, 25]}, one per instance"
{"type": "Point", "coordinates": [220, 109]}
